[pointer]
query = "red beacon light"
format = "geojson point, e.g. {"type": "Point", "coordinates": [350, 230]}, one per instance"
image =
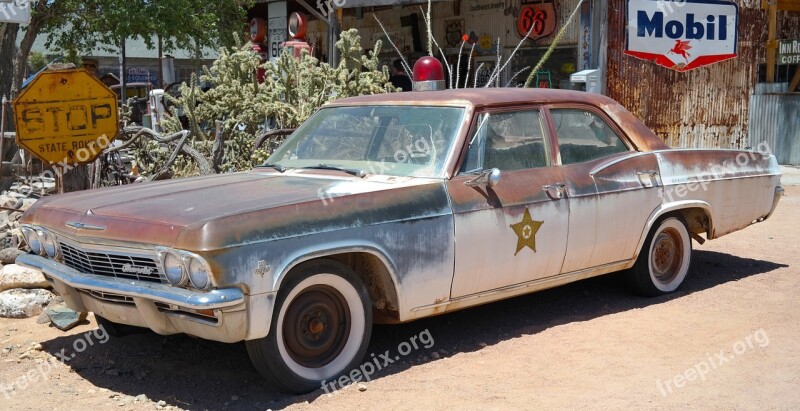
{"type": "Point", "coordinates": [428, 74]}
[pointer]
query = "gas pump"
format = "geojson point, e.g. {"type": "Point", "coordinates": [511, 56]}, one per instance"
{"type": "Point", "coordinates": [258, 34]}
{"type": "Point", "coordinates": [587, 80]}
{"type": "Point", "coordinates": [298, 27]}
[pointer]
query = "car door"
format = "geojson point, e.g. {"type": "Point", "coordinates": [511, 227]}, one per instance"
{"type": "Point", "coordinates": [516, 231]}
{"type": "Point", "coordinates": [612, 189]}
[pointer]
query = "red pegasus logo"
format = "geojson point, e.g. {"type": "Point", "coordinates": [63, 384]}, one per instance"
{"type": "Point", "coordinates": [682, 48]}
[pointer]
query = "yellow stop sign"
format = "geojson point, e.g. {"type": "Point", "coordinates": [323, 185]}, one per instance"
{"type": "Point", "coordinates": [66, 117]}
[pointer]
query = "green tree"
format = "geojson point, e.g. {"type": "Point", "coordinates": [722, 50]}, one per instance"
{"type": "Point", "coordinates": [75, 26]}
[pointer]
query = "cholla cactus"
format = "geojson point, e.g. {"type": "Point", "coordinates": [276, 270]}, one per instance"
{"type": "Point", "coordinates": [293, 90]}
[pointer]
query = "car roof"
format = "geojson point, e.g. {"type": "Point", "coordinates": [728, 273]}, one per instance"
{"type": "Point", "coordinates": [640, 135]}
{"type": "Point", "coordinates": [480, 97]}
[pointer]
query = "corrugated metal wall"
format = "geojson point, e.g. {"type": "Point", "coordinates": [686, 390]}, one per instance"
{"type": "Point", "coordinates": [707, 107]}
{"type": "Point", "coordinates": [775, 121]}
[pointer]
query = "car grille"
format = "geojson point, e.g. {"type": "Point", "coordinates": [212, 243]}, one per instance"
{"type": "Point", "coordinates": [110, 297]}
{"type": "Point", "coordinates": [112, 265]}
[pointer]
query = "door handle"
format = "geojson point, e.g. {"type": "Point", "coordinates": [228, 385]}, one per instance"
{"type": "Point", "coordinates": [555, 191]}
{"type": "Point", "coordinates": [651, 180]}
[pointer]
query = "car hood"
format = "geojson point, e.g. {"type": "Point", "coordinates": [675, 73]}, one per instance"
{"type": "Point", "coordinates": [157, 213]}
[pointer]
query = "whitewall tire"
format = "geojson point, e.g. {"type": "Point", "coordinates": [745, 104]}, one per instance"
{"type": "Point", "coordinates": [320, 328]}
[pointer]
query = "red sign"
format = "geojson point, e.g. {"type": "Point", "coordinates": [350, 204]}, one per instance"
{"type": "Point", "coordinates": [538, 18]}
{"type": "Point", "coordinates": [682, 36]}
{"type": "Point", "coordinates": [258, 30]}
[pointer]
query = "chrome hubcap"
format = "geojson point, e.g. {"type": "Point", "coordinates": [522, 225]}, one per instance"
{"type": "Point", "coordinates": [667, 255]}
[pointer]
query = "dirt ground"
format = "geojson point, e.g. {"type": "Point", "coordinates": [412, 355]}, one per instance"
{"type": "Point", "coordinates": [730, 339]}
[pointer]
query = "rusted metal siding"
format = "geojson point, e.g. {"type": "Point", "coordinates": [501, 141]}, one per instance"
{"type": "Point", "coordinates": [708, 107]}
{"type": "Point", "coordinates": [775, 122]}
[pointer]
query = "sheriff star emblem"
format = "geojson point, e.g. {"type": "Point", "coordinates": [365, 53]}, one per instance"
{"type": "Point", "coordinates": [526, 232]}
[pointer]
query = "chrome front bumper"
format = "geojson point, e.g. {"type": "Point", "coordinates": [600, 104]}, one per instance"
{"type": "Point", "coordinates": [161, 307]}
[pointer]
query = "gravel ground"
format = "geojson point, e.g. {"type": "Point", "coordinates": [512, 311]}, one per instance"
{"type": "Point", "coordinates": [729, 339]}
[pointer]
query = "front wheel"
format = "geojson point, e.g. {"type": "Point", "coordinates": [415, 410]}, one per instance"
{"type": "Point", "coordinates": [320, 328]}
{"type": "Point", "coordinates": [664, 260]}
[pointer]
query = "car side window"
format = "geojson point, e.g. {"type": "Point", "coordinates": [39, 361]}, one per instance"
{"type": "Point", "coordinates": [508, 141]}
{"type": "Point", "coordinates": [584, 136]}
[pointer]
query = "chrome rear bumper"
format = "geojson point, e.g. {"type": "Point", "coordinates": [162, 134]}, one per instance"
{"type": "Point", "coordinates": [778, 194]}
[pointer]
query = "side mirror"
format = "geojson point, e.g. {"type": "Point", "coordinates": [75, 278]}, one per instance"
{"type": "Point", "coordinates": [489, 178]}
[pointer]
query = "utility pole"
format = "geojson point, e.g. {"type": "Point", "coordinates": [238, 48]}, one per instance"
{"type": "Point", "coordinates": [122, 70]}
{"type": "Point", "coordinates": [772, 41]}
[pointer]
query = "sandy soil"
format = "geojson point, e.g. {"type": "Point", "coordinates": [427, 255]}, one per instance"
{"type": "Point", "coordinates": [730, 339]}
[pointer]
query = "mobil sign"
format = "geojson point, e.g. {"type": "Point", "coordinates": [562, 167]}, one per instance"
{"type": "Point", "coordinates": [682, 34]}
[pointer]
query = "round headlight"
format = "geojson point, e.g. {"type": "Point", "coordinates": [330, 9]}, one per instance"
{"type": "Point", "coordinates": [49, 245]}
{"type": "Point", "coordinates": [198, 273]}
{"type": "Point", "coordinates": [32, 238]}
{"type": "Point", "coordinates": [173, 269]}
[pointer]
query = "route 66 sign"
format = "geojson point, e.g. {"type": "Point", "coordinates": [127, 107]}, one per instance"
{"type": "Point", "coordinates": [537, 17]}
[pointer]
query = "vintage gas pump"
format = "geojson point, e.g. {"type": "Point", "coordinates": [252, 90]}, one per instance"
{"type": "Point", "coordinates": [298, 27]}
{"type": "Point", "coordinates": [428, 74]}
{"type": "Point", "coordinates": [258, 34]}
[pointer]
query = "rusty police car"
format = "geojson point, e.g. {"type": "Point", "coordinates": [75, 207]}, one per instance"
{"type": "Point", "coordinates": [391, 208]}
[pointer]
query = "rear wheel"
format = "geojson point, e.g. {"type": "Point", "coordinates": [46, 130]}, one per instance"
{"type": "Point", "coordinates": [320, 328]}
{"type": "Point", "coordinates": [664, 260]}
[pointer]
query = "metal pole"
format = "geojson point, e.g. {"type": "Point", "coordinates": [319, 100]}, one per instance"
{"type": "Point", "coordinates": [122, 69]}
{"type": "Point", "coordinates": [2, 133]}
{"type": "Point", "coordinates": [333, 37]}
{"type": "Point", "coordinates": [161, 83]}
{"type": "Point", "coordinates": [772, 42]}
{"type": "Point", "coordinates": [59, 172]}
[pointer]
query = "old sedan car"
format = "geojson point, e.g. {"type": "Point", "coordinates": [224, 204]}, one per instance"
{"type": "Point", "coordinates": [391, 208]}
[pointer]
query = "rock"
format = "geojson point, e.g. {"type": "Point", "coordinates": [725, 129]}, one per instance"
{"type": "Point", "coordinates": [46, 185]}
{"type": "Point", "coordinates": [141, 398]}
{"type": "Point", "coordinates": [162, 403]}
{"type": "Point", "coordinates": [16, 276]}
{"type": "Point", "coordinates": [63, 317]}
{"type": "Point", "coordinates": [9, 201]}
{"type": "Point", "coordinates": [362, 387]}
{"type": "Point", "coordinates": [27, 203]}
{"type": "Point", "coordinates": [21, 303]}
{"type": "Point", "coordinates": [435, 355]}
{"type": "Point", "coordinates": [37, 347]}
{"type": "Point", "coordinates": [25, 356]}
{"type": "Point", "coordinates": [43, 318]}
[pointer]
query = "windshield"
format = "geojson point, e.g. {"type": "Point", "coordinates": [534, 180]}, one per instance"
{"type": "Point", "coordinates": [393, 140]}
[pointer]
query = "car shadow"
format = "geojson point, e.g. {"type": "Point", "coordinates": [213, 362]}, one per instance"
{"type": "Point", "coordinates": [192, 373]}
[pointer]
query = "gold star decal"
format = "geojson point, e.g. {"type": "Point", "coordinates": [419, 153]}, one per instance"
{"type": "Point", "coordinates": [526, 232]}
